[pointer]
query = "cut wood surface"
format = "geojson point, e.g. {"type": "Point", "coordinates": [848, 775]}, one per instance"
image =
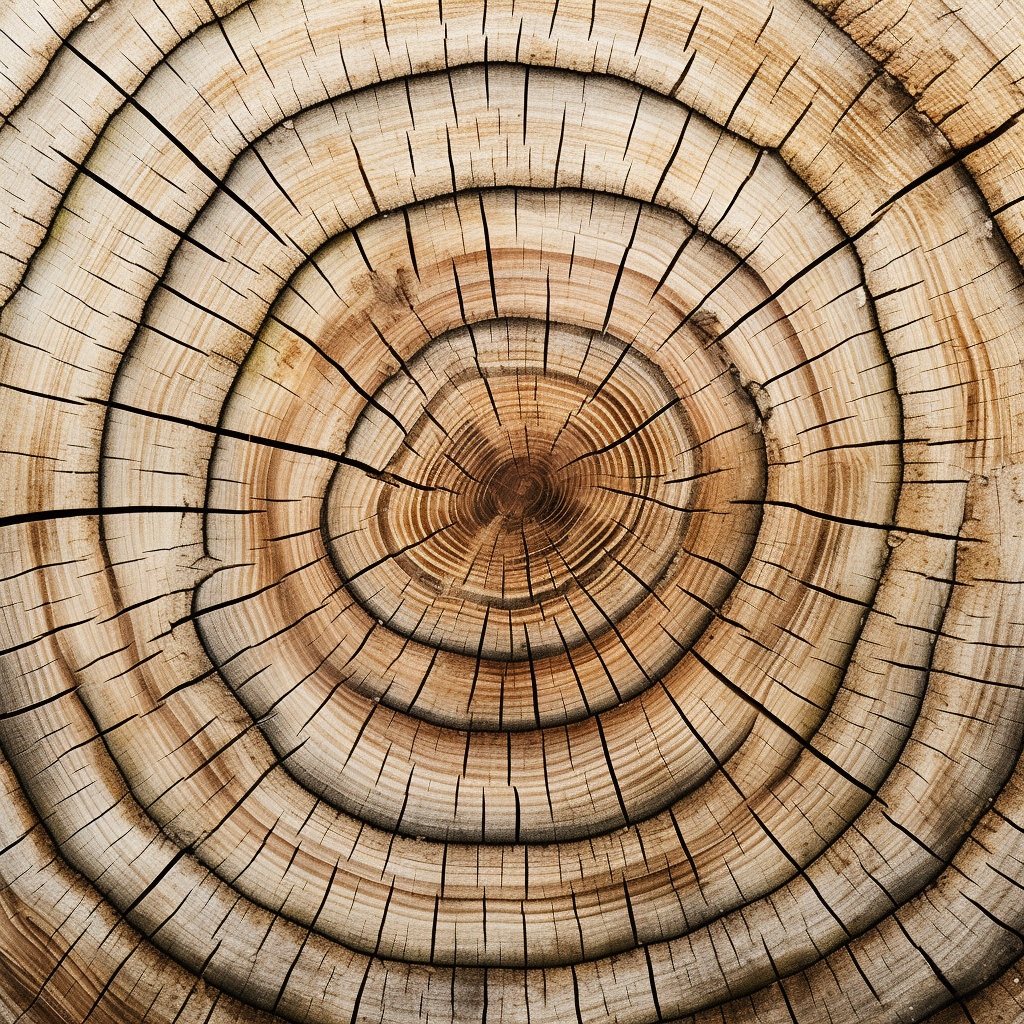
{"type": "Point", "coordinates": [512, 512]}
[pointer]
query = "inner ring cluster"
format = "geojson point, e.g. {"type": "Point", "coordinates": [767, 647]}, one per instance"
{"type": "Point", "coordinates": [527, 507]}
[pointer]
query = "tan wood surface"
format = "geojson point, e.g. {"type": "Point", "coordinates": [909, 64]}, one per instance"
{"type": "Point", "coordinates": [512, 511]}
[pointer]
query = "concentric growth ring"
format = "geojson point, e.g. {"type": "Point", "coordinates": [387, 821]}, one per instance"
{"type": "Point", "coordinates": [514, 513]}
{"type": "Point", "coordinates": [525, 475]}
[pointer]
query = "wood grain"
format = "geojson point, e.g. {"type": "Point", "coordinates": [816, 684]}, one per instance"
{"type": "Point", "coordinates": [513, 512]}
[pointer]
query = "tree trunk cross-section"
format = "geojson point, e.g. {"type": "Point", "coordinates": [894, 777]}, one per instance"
{"type": "Point", "coordinates": [513, 511]}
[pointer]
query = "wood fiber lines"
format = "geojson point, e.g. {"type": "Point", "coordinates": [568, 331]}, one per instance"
{"type": "Point", "coordinates": [512, 512]}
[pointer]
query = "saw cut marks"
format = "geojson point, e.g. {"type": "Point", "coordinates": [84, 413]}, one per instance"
{"type": "Point", "coordinates": [513, 513]}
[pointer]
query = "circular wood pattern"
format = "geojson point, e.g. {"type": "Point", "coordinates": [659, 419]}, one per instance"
{"type": "Point", "coordinates": [514, 512]}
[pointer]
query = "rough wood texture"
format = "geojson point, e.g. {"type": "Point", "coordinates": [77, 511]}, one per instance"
{"type": "Point", "coordinates": [513, 511]}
